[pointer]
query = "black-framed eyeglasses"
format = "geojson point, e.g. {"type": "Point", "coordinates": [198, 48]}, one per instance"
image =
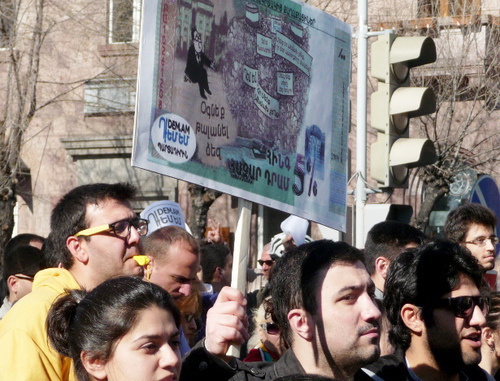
{"type": "Point", "coordinates": [269, 262]}
{"type": "Point", "coordinates": [271, 328]}
{"type": "Point", "coordinates": [119, 228]}
{"type": "Point", "coordinates": [481, 241]}
{"type": "Point", "coordinates": [463, 306]}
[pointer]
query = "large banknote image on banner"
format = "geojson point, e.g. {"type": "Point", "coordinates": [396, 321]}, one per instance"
{"type": "Point", "coordinates": [247, 97]}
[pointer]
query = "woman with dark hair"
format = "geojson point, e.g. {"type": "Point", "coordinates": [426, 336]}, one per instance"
{"type": "Point", "coordinates": [124, 329]}
{"type": "Point", "coordinates": [490, 339]}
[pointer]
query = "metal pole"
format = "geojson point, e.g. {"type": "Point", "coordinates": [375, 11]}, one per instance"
{"type": "Point", "coordinates": [361, 121]}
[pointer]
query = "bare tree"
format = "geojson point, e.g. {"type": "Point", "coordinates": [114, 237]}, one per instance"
{"type": "Point", "coordinates": [464, 128]}
{"type": "Point", "coordinates": [201, 200]}
{"type": "Point", "coordinates": [20, 99]}
{"type": "Point", "coordinates": [34, 39]}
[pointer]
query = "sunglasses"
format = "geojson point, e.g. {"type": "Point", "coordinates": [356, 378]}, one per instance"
{"type": "Point", "coordinates": [463, 306]}
{"type": "Point", "coordinates": [119, 228]}
{"type": "Point", "coordinates": [271, 328]}
{"type": "Point", "coordinates": [269, 262]}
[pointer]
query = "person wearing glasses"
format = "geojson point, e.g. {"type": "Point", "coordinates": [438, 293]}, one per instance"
{"type": "Point", "coordinates": [267, 333]}
{"type": "Point", "coordinates": [94, 237]}
{"type": "Point", "coordinates": [473, 226]}
{"type": "Point", "coordinates": [125, 329]}
{"type": "Point", "coordinates": [436, 302]}
{"type": "Point", "coordinates": [19, 270]}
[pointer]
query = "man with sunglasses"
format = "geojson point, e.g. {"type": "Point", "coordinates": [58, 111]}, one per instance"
{"type": "Point", "coordinates": [94, 237]}
{"type": "Point", "coordinates": [435, 300]}
{"type": "Point", "coordinates": [473, 226]}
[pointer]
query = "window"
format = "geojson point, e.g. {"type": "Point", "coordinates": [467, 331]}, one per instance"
{"type": "Point", "coordinates": [124, 20]}
{"type": "Point", "coordinates": [104, 96]}
{"type": "Point", "coordinates": [446, 8]}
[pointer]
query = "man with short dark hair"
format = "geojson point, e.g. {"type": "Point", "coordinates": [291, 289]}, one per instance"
{"type": "Point", "coordinates": [323, 301]}
{"type": "Point", "coordinates": [25, 239]}
{"type": "Point", "coordinates": [435, 302]}
{"type": "Point", "coordinates": [473, 226]}
{"type": "Point", "coordinates": [19, 270]}
{"type": "Point", "coordinates": [94, 236]}
{"type": "Point", "coordinates": [217, 264]}
{"type": "Point", "coordinates": [174, 259]}
{"type": "Point", "coordinates": [384, 242]}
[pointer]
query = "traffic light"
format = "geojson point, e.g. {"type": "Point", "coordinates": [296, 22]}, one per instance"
{"type": "Point", "coordinates": [395, 103]}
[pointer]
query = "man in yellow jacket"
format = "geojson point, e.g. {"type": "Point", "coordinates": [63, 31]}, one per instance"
{"type": "Point", "coordinates": [94, 237]}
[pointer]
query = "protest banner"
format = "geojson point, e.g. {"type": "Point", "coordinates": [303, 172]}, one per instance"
{"type": "Point", "coordinates": [250, 98]}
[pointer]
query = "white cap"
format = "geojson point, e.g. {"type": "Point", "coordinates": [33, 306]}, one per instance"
{"type": "Point", "coordinates": [163, 213]}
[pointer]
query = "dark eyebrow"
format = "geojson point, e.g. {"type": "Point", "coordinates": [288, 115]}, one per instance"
{"type": "Point", "coordinates": [174, 335]}
{"type": "Point", "coordinates": [357, 287]}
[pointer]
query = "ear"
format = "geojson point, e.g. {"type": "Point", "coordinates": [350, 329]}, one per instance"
{"type": "Point", "coordinates": [487, 336]}
{"type": "Point", "coordinates": [77, 249]}
{"type": "Point", "coordinates": [381, 266]}
{"type": "Point", "coordinates": [412, 319]}
{"type": "Point", "coordinates": [301, 323]}
{"type": "Point", "coordinates": [218, 274]}
{"type": "Point", "coordinates": [94, 366]}
{"type": "Point", "coordinates": [12, 284]}
{"type": "Point", "coordinates": [149, 268]}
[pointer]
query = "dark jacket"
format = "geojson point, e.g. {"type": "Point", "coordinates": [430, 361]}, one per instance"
{"type": "Point", "coordinates": [393, 368]}
{"type": "Point", "coordinates": [200, 365]}
{"type": "Point", "coordinates": [195, 69]}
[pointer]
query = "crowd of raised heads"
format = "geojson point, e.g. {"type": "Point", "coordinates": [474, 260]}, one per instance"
{"type": "Point", "coordinates": [111, 295]}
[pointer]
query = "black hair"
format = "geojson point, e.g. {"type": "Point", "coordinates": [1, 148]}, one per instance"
{"type": "Point", "coordinates": [212, 256]}
{"type": "Point", "coordinates": [25, 260]}
{"type": "Point", "coordinates": [94, 321]}
{"type": "Point", "coordinates": [21, 240]}
{"type": "Point", "coordinates": [388, 239]}
{"type": "Point", "coordinates": [70, 216]}
{"type": "Point", "coordinates": [460, 219]}
{"type": "Point", "coordinates": [421, 276]}
{"type": "Point", "coordinates": [295, 278]}
{"type": "Point", "coordinates": [493, 317]}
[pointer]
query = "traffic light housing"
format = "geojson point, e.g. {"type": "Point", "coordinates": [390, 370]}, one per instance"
{"type": "Point", "coordinates": [395, 103]}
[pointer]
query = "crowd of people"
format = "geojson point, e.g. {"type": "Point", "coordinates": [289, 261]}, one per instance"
{"type": "Point", "coordinates": [103, 298]}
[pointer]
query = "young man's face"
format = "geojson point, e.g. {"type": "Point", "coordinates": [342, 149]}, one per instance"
{"type": "Point", "coordinates": [111, 256]}
{"type": "Point", "coordinates": [347, 323]}
{"type": "Point", "coordinates": [454, 341]}
{"type": "Point", "coordinates": [177, 271]}
{"type": "Point", "coordinates": [484, 254]}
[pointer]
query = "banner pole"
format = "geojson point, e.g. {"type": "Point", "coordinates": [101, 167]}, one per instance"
{"type": "Point", "coordinates": [240, 255]}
